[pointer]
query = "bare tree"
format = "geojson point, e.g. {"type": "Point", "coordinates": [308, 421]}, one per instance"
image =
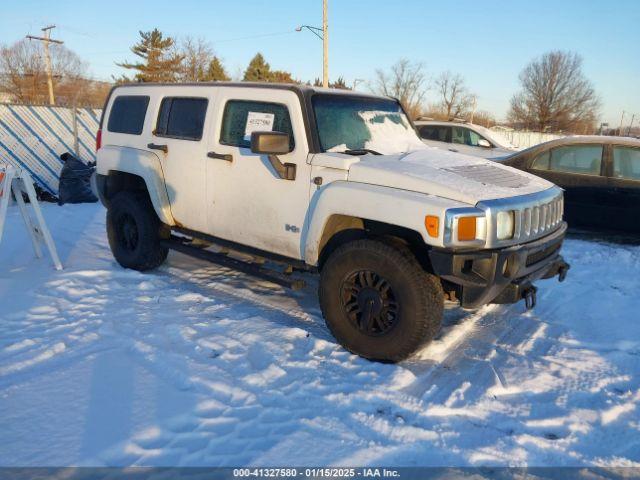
{"type": "Point", "coordinates": [455, 99]}
{"type": "Point", "coordinates": [196, 55]}
{"type": "Point", "coordinates": [23, 73]}
{"type": "Point", "coordinates": [484, 118]}
{"type": "Point", "coordinates": [405, 81]}
{"type": "Point", "coordinates": [555, 94]}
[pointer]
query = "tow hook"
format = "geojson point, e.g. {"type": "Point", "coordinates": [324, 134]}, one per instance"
{"type": "Point", "coordinates": [530, 297]}
{"type": "Point", "coordinates": [562, 271]}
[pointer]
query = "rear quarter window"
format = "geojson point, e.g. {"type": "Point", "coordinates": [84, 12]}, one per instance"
{"type": "Point", "coordinates": [127, 114]}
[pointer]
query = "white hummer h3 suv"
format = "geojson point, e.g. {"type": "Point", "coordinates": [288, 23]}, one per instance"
{"type": "Point", "coordinates": [324, 180]}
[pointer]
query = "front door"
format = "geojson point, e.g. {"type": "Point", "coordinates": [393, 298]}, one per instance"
{"type": "Point", "coordinates": [178, 141]}
{"type": "Point", "coordinates": [247, 201]}
{"type": "Point", "coordinates": [579, 170]}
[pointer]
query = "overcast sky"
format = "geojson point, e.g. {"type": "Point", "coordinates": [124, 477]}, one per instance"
{"type": "Point", "coordinates": [488, 42]}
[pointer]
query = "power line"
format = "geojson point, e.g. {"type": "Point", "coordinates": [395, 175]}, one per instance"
{"type": "Point", "coordinates": [249, 37]}
{"type": "Point", "coordinates": [214, 42]}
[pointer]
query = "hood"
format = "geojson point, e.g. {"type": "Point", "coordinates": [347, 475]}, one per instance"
{"type": "Point", "coordinates": [446, 174]}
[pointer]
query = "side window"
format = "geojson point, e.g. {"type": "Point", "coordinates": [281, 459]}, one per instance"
{"type": "Point", "coordinates": [473, 138]}
{"type": "Point", "coordinates": [434, 132]}
{"type": "Point", "coordinates": [581, 159]}
{"type": "Point", "coordinates": [457, 135]}
{"type": "Point", "coordinates": [626, 163]}
{"type": "Point", "coordinates": [241, 117]}
{"type": "Point", "coordinates": [127, 114]}
{"type": "Point", "coordinates": [541, 162]}
{"type": "Point", "coordinates": [181, 117]}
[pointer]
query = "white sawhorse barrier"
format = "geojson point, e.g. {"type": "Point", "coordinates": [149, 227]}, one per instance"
{"type": "Point", "coordinates": [18, 181]}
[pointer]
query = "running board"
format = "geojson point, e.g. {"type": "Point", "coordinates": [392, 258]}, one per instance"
{"type": "Point", "coordinates": [179, 245]}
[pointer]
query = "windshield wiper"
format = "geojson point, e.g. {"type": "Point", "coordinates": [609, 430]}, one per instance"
{"type": "Point", "coordinates": [360, 151]}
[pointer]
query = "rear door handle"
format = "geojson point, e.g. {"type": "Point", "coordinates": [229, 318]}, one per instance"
{"type": "Point", "coordinates": [453, 150]}
{"type": "Point", "coordinates": [155, 146]}
{"type": "Point", "coordinates": [220, 156]}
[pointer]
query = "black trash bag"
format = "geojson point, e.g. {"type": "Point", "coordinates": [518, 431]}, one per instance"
{"type": "Point", "coordinates": [75, 181]}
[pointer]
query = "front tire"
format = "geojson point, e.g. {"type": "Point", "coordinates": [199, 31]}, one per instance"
{"type": "Point", "coordinates": [378, 302]}
{"type": "Point", "coordinates": [134, 232]}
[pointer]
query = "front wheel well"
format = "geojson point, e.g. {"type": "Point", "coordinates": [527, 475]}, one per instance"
{"type": "Point", "coordinates": [341, 229]}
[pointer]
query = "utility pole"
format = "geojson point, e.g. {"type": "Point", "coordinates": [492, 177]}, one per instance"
{"type": "Point", "coordinates": [325, 45]}
{"type": "Point", "coordinates": [620, 129]}
{"type": "Point", "coordinates": [473, 110]}
{"type": "Point", "coordinates": [47, 58]}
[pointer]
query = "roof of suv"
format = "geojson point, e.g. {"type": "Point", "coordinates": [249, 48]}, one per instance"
{"type": "Point", "coordinates": [301, 88]}
{"type": "Point", "coordinates": [445, 123]}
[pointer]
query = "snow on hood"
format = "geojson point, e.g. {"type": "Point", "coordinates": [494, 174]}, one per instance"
{"type": "Point", "coordinates": [388, 134]}
{"type": "Point", "coordinates": [446, 174]}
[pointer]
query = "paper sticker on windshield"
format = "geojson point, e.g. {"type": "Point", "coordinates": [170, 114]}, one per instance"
{"type": "Point", "coordinates": [258, 122]}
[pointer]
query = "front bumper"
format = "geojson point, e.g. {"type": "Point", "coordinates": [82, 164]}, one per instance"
{"type": "Point", "coordinates": [503, 275]}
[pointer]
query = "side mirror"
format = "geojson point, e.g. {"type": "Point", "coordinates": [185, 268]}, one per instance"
{"type": "Point", "coordinates": [484, 143]}
{"type": "Point", "coordinates": [270, 143]}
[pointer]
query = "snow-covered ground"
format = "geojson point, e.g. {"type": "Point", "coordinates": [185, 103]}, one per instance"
{"type": "Point", "coordinates": [195, 365]}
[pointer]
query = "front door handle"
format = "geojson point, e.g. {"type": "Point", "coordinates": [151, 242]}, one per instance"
{"type": "Point", "coordinates": [453, 150]}
{"type": "Point", "coordinates": [221, 156]}
{"type": "Point", "coordinates": [155, 146]}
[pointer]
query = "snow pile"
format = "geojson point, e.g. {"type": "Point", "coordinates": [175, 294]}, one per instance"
{"type": "Point", "coordinates": [384, 132]}
{"type": "Point", "coordinates": [389, 133]}
{"type": "Point", "coordinates": [195, 365]}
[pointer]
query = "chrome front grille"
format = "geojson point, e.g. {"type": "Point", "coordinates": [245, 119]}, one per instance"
{"type": "Point", "coordinates": [533, 222]}
{"type": "Point", "coordinates": [535, 216]}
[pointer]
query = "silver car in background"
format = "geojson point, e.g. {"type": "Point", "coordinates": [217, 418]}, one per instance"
{"type": "Point", "coordinates": [464, 138]}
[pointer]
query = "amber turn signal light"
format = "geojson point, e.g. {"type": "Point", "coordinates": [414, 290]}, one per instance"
{"type": "Point", "coordinates": [466, 229]}
{"type": "Point", "coordinates": [433, 225]}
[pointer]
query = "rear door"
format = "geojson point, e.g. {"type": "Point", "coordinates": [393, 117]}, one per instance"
{"type": "Point", "coordinates": [579, 170]}
{"type": "Point", "coordinates": [178, 140]}
{"type": "Point", "coordinates": [624, 182]}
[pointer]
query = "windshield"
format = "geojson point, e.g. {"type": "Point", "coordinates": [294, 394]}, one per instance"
{"type": "Point", "coordinates": [352, 123]}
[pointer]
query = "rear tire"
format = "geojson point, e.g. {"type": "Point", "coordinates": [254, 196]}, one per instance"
{"type": "Point", "coordinates": [134, 232]}
{"type": "Point", "coordinates": [378, 302]}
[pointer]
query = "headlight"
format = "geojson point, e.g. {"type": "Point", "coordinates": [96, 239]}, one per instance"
{"type": "Point", "coordinates": [505, 225]}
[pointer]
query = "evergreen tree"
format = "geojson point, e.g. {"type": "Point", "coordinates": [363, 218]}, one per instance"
{"type": "Point", "coordinates": [281, 76]}
{"type": "Point", "coordinates": [258, 70]}
{"type": "Point", "coordinates": [216, 71]}
{"type": "Point", "coordinates": [340, 83]}
{"type": "Point", "coordinates": [160, 63]}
